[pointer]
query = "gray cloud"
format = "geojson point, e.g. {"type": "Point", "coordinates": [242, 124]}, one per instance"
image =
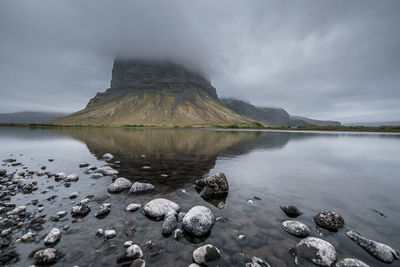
{"type": "Point", "coordinates": [331, 60]}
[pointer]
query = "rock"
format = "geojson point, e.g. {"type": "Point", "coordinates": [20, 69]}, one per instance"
{"type": "Point", "coordinates": [250, 201]}
{"type": "Point", "coordinates": [72, 178]}
{"type": "Point", "coordinates": [194, 265]}
{"type": "Point", "coordinates": [221, 219]}
{"type": "Point", "coordinates": [133, 207]}
{"type": "Point", "coordinates": [80, 210]}
{"type": "Point", "coordinates": [180, 216]}
{"type": "Point", "coordinates": [106, 170]}
{"type": "Point", "coordinates": [73, 195]}
{"type": "Point", "coordinates": [40, 209]}
{"type": "Point", "coordinates": [83, 165]}
{"type": "Point", "coordinates": [3, 172]}
{"type": "Point", "coordinates": [291, 211]}
{"type": "Point", "coordinates": [17, 210]}
{"type": "Point", "coordinates": [138, 263]}
{"type": "Point", "coordinates": [140, 187]}
{"type": "Point", "coordinates": [61, 214]}
{"type": "Point", "coordinates": [296, 228]}
{"type": "Point", "coordinates": [108, 156]}
{"type": "Point", "coordinates": [105, 209]}
{"type": "Point", "coordinates": [380, 251]}
{"type": "Point", "coordinates": [45, 256]}
{"type": "Point", "coordinates": [134, 252]}
{"type": "Point", "coordinates": [214, 186]}
{"type": "Point", "coordinates": [128, 243]}
{"type": "Point", "coordinates": [350, 263]}
{"type": "Point", "coordinates": [51, 160]}
{"type": "Point", "coordinates": [178, 234]}
{"type": "Point", "coordinates": [205, 254]}
{"type": "Point", "coordinates": [315, 250]}
{"type": "Point", "coordinates": [100, 232]}
{"type": "Point", "coordinates": [109, 233]}
{"type": "Point", "coordinates": [257, 262]}
{"type": "Point", "coordinates": [170, 222]}
{"type": "Point", "coordinates": [52, 237]}
{"type": "Point", "coordinates": [329, 220]}
{"type": "Point", "coordinates": [97, 175]}
{"type": "Point", "coordinates": [198, 221]}
{"type": "Point", "coordinates": [30, 236]}
{"type": "Point", "coordinates": [60, 176]}
{"type": "Point", "coordinates": [120, 184]}
{"type": "Point", "coordinates": [157, 208]}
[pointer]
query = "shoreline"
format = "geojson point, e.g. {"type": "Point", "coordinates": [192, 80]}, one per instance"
{"type": "Point", "coordinates": [309, 128]}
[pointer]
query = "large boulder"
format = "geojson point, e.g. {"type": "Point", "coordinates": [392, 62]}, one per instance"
{"type": "Point", "coordinates": [329, 220]}
{"type": "Point", "coordinates": [296, 228]}
{"type": "Point", "coordinates": [157, 208]}
{"type": "Point", "coordinates": [205, 254]}
{"type": "Point", "coordinates": [315, 250]}
{"type": "Point", "coordinates": [214, 186]}
{"type": "Point", "coordinates": [140, 187]}
{"type": "Point", "coordinates": [380, 251]}
{"type": "Point", "coordinates": [198, 221]}
{"type": "Point", "coordinates": [120, 184]}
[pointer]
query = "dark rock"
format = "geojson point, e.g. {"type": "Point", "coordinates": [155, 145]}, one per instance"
{"type": "Point", "coordinates": [9, 257]}
{"type": "Point", "coordinates": [138, 263]}
{"type": "Point", "coordinates": [379, 250]}
{"type": "Point", "coordinates": [329, 220]}
{"type": "Point", "coordinates": [291, 211]}
{"type": "Point", "coordinates": [104, 210]}
{"type": "Point", "coordinates": [83, 165]}
{"type": "Point", "coordinates": [214, 186]}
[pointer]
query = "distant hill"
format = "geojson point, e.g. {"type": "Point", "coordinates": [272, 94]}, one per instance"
{"type": "Point", "coordinates": [374, 124]}
{"type": "Point", "coordinates": [155, 93]}
{"type": "Point", "coordinates": [272, 116]}
{"type": "Point", "coordinates": [29, 117]}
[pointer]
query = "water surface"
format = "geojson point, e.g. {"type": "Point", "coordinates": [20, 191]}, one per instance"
{"type": "Point", "coordinates": [351, 173]}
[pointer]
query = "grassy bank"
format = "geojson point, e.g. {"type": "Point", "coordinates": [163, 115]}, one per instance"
{"type": "Point", "coordinates": [220, 126]}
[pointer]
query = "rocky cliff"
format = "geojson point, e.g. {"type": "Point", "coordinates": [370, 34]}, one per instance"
{"type": "Point", "coordinates": [155, 93]}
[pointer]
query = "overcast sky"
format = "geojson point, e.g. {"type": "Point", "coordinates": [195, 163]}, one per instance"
{"type": "Point", "coordinates": [322, 59]}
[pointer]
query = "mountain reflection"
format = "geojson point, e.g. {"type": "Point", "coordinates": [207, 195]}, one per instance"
{"type": "Point", "coordinates": [183, 154]}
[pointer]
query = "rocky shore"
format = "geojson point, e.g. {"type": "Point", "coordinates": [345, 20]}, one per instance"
{"type": "Point", "coordinates": [22, 224]}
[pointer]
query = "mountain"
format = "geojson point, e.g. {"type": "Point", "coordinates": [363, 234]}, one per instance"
{"type": "Point", "coordinates": [271, 116]}
{"type": "Point", "coordinates": [298, 120]}
{"type": "Point", "coordinates": [155, 93]}
{"type": "Point", "coordinates": [29, 117]}
{"type": "Point", "coordinates": [374, 124]}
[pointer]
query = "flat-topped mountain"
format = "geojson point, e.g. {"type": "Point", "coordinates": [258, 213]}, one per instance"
{"type": "Point", "coordinates": [155, 93]}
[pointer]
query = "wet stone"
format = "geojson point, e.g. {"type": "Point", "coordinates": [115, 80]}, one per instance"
{"type": "Point", "coordinates": [329, 220]}
{"type": "Point", "coordinates": [157, 208]}
{"type": "Point", "coordinates": [350, 263]}
{"type": "Point", "coordinates": [104, 210]}
{"type": "Point", "coordinates": [52, 237]}
{"type": "Point", "coordinates": [206, 253]}
{"type": "Point", "coordinates": [198, 221]}
{"type": "Point", "coordinates": [291, 211]}
{"type": "Point", "coordinates": [134, 252]}
{"type": "Point", "coordinates": [318, 251]}
{"type": "Point", "coordinates": [296, 228]}
{"type": "Point", "coordinates": [140, 188]}
{"type": "Point", "coordinates": [120, 184]}
{"type": "Point", "coordinates": [214, 186]}
{"type": "Point", "coordinates": [133, 207]}
{"type": "Point", "coordinates": [45, 256]}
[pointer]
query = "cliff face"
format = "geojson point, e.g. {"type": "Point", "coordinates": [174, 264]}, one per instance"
{"type": "Point", "coordinates": [157, 93]}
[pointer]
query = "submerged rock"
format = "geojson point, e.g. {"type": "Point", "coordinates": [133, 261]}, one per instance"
{"type": "Point", "coordinates": [83, 165]}
{"type": "Point", "coordinates": [350, 263]}
{"type": "Point", "coordinates": [316, 250]}
{"type": "Point", "coordinates": [296, 228]}
{"type": "Point", "coordinates": [379, 250]}
{"type": "Point", "coordinates": [205, 254]}
{"type": "Point", "coordinates": [45, 256]}
{"type": "Point", "coordinates": [105, 209]}
{"type": "Point", "coordinates": [138, 263]}
{"type": "Point", "coordinates": [214, 186]}
{"type": "Point", "coordinates": [108, 156]}
{"type": "Point", "coordinates": [52, 237]}
{"type": "Point", "coordinates": [134, 252]}
{"type": "Point", "coordinates": [140, 187]}
{"type": "Point", "coordinates": [106, 170]}
{"type": "Point", "coordinates": [120, 184]}
{"type": "Point", "coordinates": [198, 221]}
{"type": "Point", "coordinates": [157, 208]}
{"type": "Point", "coordinates": [329, 220]}
{"type": "Point", "coordinates": [257, 262]}
{"type": "Point", "coordinates": [133, 207]}
{"type": "Point", "coordinates": [97, 175]}
{"type": "Point", "coordinates": [291, 211]}
{"type": "Point", "coordinates": [170, 222]}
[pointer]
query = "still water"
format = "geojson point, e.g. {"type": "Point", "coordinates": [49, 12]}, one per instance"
{"type": "Point", "coordinates": [353, 174]}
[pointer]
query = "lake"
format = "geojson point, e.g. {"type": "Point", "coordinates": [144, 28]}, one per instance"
{"type": "Point", "coordinates": [354, 174]}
